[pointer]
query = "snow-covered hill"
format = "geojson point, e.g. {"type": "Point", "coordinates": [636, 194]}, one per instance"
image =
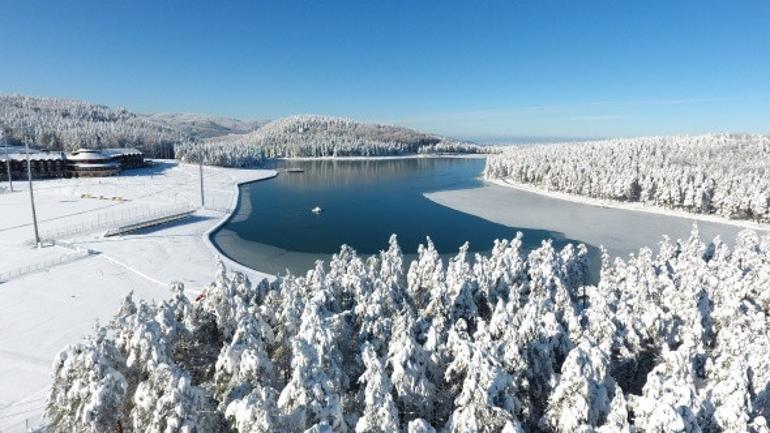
{"type": "Point", "coordinates": [66, 124]}
{"type": "Point", "coordinates": [204, 125]}
{"type": "Point", "coordinates": [722, 174]}
{"type": "Point", "coordinates": [318, 136]}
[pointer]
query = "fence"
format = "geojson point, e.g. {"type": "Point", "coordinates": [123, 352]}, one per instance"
{"type": "Point", "coordinates": [221, 209]}
{"type": "Point", "coordinates": [77, 253]}
{"type": "Point", "coordinates": [113, 221]}
{"type": "Point", "coordinates": [116, 220]}
{"type": "Point", "coordinates": [221, 203]}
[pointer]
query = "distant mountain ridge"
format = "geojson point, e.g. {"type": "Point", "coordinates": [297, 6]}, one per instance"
{"type": "Point", "coordinates": [293, 133]}
{"type": "Point", "coordinates": [204, 125]}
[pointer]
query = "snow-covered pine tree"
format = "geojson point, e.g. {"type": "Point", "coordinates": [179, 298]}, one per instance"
{"type": "Point", "coordinates": [243, 363]}
{"type": "Point", "coordinates": [88, 392]}
{"type": "Point", "coordinates": [257, 412]}
{"type": "Point", "coordinates": [409, 364]}
{"type": "Point", "coordinates": [426, 275]}
{"type": "Point", "coordinates": [486, 402]}
{"type": "Point", "coordinates": [379, 414]}
{"type": "Point", "coordinates": [581, 400]}
{"type": "Point", "coordinates": [313, 394]}
{"type": "Point", "coordinates": [168, 402]}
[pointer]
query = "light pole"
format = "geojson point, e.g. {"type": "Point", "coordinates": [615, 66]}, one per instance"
{"type": "Point", "coordinates": [8, 166]}
{"type": "Point", "coordinates": [32, 197]}
{"type": "Point", "coordinates": [4, 141]}
{"type": "Point", "coordinates": [200, 169]}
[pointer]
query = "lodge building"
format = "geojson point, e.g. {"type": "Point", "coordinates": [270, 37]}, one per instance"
{"type": "Point", "coordinates": [79, 163]}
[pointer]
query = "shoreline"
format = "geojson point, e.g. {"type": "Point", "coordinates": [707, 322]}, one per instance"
{"type": "Point", "coordinates": [232, 264]}
{"type": "Point", "coordinates": [629, 206]}
{"type": "Point", "coordinates": [386, 157]}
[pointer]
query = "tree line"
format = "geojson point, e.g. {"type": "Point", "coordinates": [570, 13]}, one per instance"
{"type": "Point", "coordinates": [309, 136]}
{"type": "Point", "coordinates": [722, 174]}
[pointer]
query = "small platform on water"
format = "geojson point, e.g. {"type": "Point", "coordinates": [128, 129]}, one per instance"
{"type": "Point", "coordinates": [294, 170]}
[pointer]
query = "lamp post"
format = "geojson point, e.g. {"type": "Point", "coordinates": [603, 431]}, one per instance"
{"type": "Point", "coordinates": [200, 170]}
{"type": "Point", "coordinates": [8, 166]}
{"type": "Point", "coordinates": [32, 197]}
{"type": "Point", "coordinates": [4, 141]}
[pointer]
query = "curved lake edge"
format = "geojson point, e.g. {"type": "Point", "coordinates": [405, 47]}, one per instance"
{"type": "Point", "coordinates": [208, 236]}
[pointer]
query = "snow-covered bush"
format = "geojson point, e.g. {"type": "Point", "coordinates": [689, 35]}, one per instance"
{"type": "Point", "coordinates": [670, 341]}
{"type": "Point", "coordinates": [317, 136]}
{"type": "Point", "coordinates": [722, 174]}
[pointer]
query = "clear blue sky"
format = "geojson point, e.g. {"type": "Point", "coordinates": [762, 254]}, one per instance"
{"type": "Point", "coordinates": [473, 69]}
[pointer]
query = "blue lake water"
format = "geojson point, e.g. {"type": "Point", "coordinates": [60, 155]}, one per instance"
{"type": "Point", "coordinates": [363, 202]}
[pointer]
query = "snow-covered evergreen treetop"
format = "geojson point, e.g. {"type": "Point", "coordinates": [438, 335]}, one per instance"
{"type": "Point", "coordinates": [722, 174]}
{"type": "Point", "coordinates": [675, 341]}
{"type": "Point", "coordinates": [318, 136]}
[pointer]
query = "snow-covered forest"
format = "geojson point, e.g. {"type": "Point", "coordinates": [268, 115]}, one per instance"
{"type": "Point", "coordinates": [65, 124]}
{"type": "Point", "coordinates": [318, 136]}
{"type": "Point", "coordinates": [722, 174]}
{"type": "Point", "coordinates": [672, 341]}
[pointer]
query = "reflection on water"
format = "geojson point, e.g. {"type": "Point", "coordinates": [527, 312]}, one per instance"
{"type": "Point", "coordinates": [363, 202]}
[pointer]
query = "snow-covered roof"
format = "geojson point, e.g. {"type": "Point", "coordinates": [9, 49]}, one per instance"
{"type": "Point", "coordinates": [88, 155]}
{"type": "Point", "coordinates": [18, 154]}
{"type": "Point", "coordinates": [114, 165]}
{"type": "Point", "coordinates": [117, 151]}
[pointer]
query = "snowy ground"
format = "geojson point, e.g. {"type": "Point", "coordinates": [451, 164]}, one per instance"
{"type": "Point", "coordinates": [622, 229]}
{"type": "Point", "coordinates": [43, 311]}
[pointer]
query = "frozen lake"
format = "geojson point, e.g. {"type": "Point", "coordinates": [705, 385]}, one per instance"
{"type": "Point", "coordinates": [620, 231]}
{"type": "Point", "coordinates": [363, 202]}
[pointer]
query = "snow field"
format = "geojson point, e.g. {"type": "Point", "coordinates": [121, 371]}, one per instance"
{"type": "Point", "coordinates": [43, 311]}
